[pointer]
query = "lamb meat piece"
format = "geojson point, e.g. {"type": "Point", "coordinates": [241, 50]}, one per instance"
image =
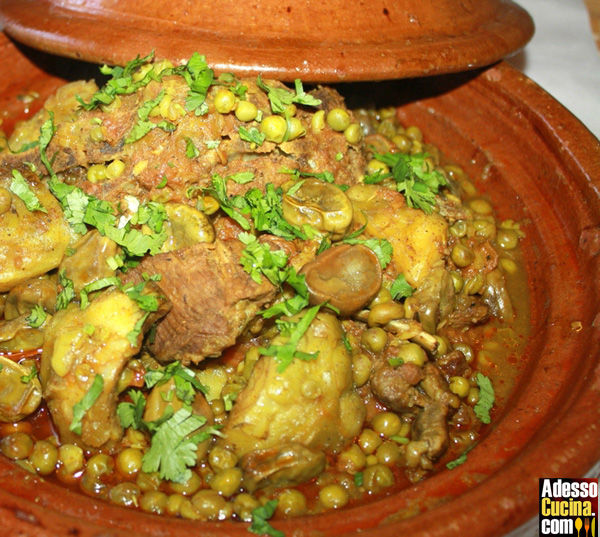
{"type": "Point", "coordinates": [470, 311]}
{"type": "Point", "coordinates": [436, 387]}
{"type": "Point", "coordinates": [285, 465]}
{"type": "Point", "coordinates": [452, 364]}
{"type": "Point", "coordinates": [213, 299]}
{"type": "Point", "coordinates": [430, 427]}
{"type": "Point", "coordinates": [395, 386]}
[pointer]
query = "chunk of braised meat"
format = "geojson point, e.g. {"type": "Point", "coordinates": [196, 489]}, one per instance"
{"type": "Point", "coordinates": [213, 299]}
{"type": "Point", "coordinates": [452, 364]}
{"type": "Point", "coordinates": [396, 387]}
{"type": "Point", "coordinates": [470, 311]}
{"type": "Point", "coordinates": [431, 429]}
{"type": "Point", "coordinates": [281, 466]}
{"type": "Point", "coordinates": [436, 387]}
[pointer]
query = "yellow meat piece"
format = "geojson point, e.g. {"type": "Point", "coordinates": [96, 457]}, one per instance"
{"type": "Point", "coordinates": [311, 402]}
{"type": "Point", "coordinates": [418, 239]}
{"type": "Point", "coordinates": [80, 344]}
{"type": "Point", "coordinates": [31, 242]}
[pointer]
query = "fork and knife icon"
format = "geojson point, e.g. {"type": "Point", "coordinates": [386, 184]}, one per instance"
{"type": "Point", "coordinates": [589, 526]}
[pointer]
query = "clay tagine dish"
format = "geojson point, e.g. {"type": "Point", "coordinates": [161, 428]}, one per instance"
{"type": "Point", "coordinates": [534, 161]}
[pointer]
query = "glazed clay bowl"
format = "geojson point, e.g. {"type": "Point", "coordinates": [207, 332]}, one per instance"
{"type": "Point", "coordinates": [309, 39]}
{"type": "Point", "coordinates": [539, 165]}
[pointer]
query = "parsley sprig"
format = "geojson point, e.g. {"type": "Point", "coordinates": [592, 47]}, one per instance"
{"type": "Point", "coordinates": [262, 209]}
{"type": "Point", "coordinates": [20, 188]}
{"type": "Point", "coordinates": [121, 82]}
{"type": "Point", "coordinates": [259, 260]}
{"type": "Point", "coordinates": [260, 518]}
{"type": "Point", "coordinates": [294, 330]}
{"type": "Point", "coordinates": [486, 398]}
{"type": "Point", "coordinates": [281, 98]}
{"type": "Point", "coordinates": [81, 408]}
{"type": "Point", "coordinates": [413, 178]}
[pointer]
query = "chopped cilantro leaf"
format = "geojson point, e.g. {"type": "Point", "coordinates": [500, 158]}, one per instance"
{"type": "Point", "coordinates": [241, 178]}
{"type": "Point", "coordinates": [47, 131]}
{"type": "Point", "coordinates": [457, 462]}
{"type": "Point", "coordinates": [260, 517]}
{"type": "Point", "coordinates": [252, 135]}
{"type": "Point", "coordinates": [191, 151]}
{"type": "Point", "coordinates": [486, 398]}
{"type": "Point", "coordinates": [199, 78]}
{"type": "Point", "coordinates": [285, 354]}
{"type": "Point", "coordinates": [26, 379]}
{"type": "Point", "coordinates": [130, 414]}
{"type": "Point", "coordinates": [172, 450]}
{"type": "Point", "coordinates": [20, 188]}
{"type": "Point", "coordinates": [133, 336]}
{"type": "Point", "coordinates": [37, 317]}
{"type": "Point", "coordinates": [96, 285]}
{"type": "Point", "coordinates": [186, 383]}
{"type": "Point", "coordinates": [325, 176]}
{"type": "Point", "coordinates": [413, 178]}
{"type": "Point", "coordinates": [281, 98]}
{"type": "Point", "coordinates": [400, 288]}
{"type": "Point", "coordinates": [67, 294]}
{"type": "Point", "coordinates": [358, 479]}
{"type": "Point", "coordinates": [395, 361]}
{"type": "Point", "coordinates": [86, 402]}
{"type": "Point", "coordinates": [121, 82]}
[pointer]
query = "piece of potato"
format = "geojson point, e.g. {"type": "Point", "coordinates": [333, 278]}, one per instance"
{"type": "Point", "coordinates": [419, 239]}
{"type": "Point", "coordinates": [80, 344]}
{"type": "Point", "coordinates": [31, 242]}
{"type": "Point", "coordinates": [311, 402]}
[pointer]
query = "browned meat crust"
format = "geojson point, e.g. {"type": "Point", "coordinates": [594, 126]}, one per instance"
{"type": "Point", "coordinates": [213, 299]}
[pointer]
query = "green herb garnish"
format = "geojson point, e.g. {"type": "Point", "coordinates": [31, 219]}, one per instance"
{"type": "Point", "coordinates": [486, 398]}
{"type": "Point", "coordinates": [86, 402]}
{"type": "Point", "coordinates": [400, 288]}
{"type": "Point", "coordinates": [260, 517]}
{"type": "Point", "coordinates": [37, 317]}
{"type": "Point", "coordinates": [20, 188]}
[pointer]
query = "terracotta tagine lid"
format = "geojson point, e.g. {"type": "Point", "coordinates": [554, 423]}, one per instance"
{"type": "Point", "coordinates": [313, 40]}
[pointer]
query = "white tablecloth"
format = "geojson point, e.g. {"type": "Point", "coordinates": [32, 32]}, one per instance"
{"type": "Point", "coordinates": [562, 57]}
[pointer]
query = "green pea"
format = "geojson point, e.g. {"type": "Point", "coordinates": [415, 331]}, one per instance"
{"type": "Point", "coordinates": [227, 481]}
{"type": "Point", "coordinates": [338, 119]}
{"type": "Point", "coordinates": [291, 502]}
{"type": "Point", "coordinates": [44, 457]}
{"type": "Point", "coordinates": [507, 239]}
{"type": "Point", "coordinates": [189, 487]}
{"type": "Point", "coordinates": [414, 133]}
{"type": "Point", "coordinates": [224, 101]}
{"type": "Point", "coordinates": [244, 504]}
{"type": "Point", "coordinates": [129, 461]}
{"type": "Point", "coordinates": [388, 453]}
{"type": "Point", "coordinates": [481, 206]}
{"type": "Point", "coordinates": [154, 501]}
{"type": "Point", "coordinates": [376, 477]}
{"type": "Point", "coordinates": [374, 339]}
{"type": "Point", "coordinates": [369, 441]}
{"type": "Point", "coordinates": [16, 446]}
{"type": "Point", "coordinates": [333, 496]}
{"type": "Point", "coordinates": [274, 128]}
{"type": "Point", "coordinates": [353, 133]}
{"type": "Point", "coordinates": [461, 255]}
{"type": "Point", "coordinates": [386, 423]}
{"type": "Point", "coordinates": [246, 111]}
{"type": "Point", "coordinates": [126, 494]}
{"type": "Point", "coordinates": [411, 353]}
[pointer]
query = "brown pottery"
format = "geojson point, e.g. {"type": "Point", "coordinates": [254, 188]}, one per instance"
{"type": "Point", "coordinates": [539, 165]}
{"type": "Point", "coordinates": [315, 40]}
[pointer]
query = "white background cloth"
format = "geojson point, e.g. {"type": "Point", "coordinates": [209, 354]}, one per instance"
{"type": "Point", "coordinates": [562, 57]}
